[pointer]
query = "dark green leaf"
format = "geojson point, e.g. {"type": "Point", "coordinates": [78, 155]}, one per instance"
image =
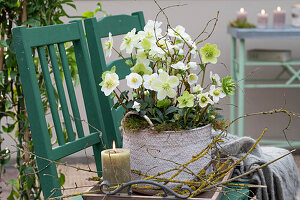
{"type": "Point", "coordinates": [1, 78]}
{"type": "Point", "coordinates": [72, 5]}
{"type": "Point", "coordinates": [180, 112]}
{"type": "Point", "coordinates": [33, 22]}
{"type": "Point", "coordinates": [202, 66]}
{"type": "Point", "coordinates": [61, 178]}
{"type": "Point", "coordinates": [143, 112]}
{"type": "Point", "coordinates": [3, 43]}
{"type": "Point", "coordinates": [129, 104]}
{"type": "Point", "coordinates": [116, 105]}
{"type": "Point", "coordinates": [157, 119]}
{"type": "Point", "coordinates": [163, 103]}
{"type": "Point", "coordinates": [9, 128]}
{"type": "Point", "coordinates": [160, 114]}
{"type": "Point", "coordinates": [171, 109]}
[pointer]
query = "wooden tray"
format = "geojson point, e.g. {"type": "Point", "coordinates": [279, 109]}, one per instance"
{"type": "Point", "coordinates": [214, 194]}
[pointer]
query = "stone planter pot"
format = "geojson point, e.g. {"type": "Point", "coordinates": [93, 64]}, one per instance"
{"type": "Point", "coordinates": [152, 152]}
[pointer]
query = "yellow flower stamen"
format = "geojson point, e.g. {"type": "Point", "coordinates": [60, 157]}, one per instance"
{"type": "Point", "coordinates": [216, 92]}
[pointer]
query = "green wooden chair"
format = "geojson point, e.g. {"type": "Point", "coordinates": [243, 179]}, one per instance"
{"type": "Point", "coordinates": [95, 30]}
{"type": "Point", "coordinates": [27, 39]}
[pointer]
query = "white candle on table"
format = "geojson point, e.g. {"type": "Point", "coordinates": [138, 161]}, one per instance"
{"type": "Point", "coordinates": [242, 15]}
{"type": "Point", "coordinates": [262, 19]}
{"type": "Point", "coordinates": [278, 18]}
{"type": "Point", "coordinates": [116, 165]}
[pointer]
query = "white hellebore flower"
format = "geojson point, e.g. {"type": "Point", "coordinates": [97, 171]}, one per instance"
{"type": "Point", "coordinates": [111, 82]}
{"type": "Point", "coordinates": [215, 78]}
{"type": "Point", "coordinates": [165, 85]}
{"type": "Point", "coordinates": [148, 80]}
{"type": "Point", "coordinates": [129, 41]}
{"type": "Point", "coordinates": [194, 47]}
{"type": "Point", "coordinates": [179, 65]}
{"type": "Point", "coordinates": [108, 45]}
{"type": "Point", "coordinates": [192, 79]}
{"type": "Point", "coordinates": [216, 93]}
{"type": "Point", "coordinates": [150, 26]}
{"type": "Point", "coordinates": [197, 89]}
{"type": "Point", "coordinates": [137, 106]}
{"type": "Point", "coordinates": [176, 32]}
{"type": "Point", "coordinates": [134, 80]}
{"type": "Point", "coordinates": [192, 65]}
{"type": "Point", "coordinates": [204, 99]}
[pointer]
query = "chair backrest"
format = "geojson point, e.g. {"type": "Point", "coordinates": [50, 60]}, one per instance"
{"type": "Point", "coordinates": [54, 37]}
{"type": "Point", "coordinates": [95, 30]}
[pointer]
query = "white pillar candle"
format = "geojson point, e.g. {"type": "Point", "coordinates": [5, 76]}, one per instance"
{"type": "Point", "coordinates": [278, 18]}
{"type": "Point", "coordinates": [296, 15]}
{"type": "Point", "coordinates": [116, 165]}
{"type": "Point", "coordinates": [242, 15]}
{"type": "Point", "coordinates": [262, 19]}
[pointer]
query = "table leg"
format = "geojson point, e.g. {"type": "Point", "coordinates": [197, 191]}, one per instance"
{"type": "Point", "coordinates": [233, 74]}
{"type": "Point", "coordinates": [241, 87]}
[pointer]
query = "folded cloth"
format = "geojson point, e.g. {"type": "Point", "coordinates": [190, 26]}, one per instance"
{"type": "Point", "coordinates": [280, 177]}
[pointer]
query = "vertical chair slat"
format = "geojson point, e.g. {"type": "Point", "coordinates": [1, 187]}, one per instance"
{"type": "Point", "coordinates": [89, 91]}
{"type": "Point", "coordinates": [61, 94]}
{"type": "Point", "coordinates": [72, 96]}
{"type": "Point", "coordinates": [51, 97]}
{"type": "Point", "coordinates": [99, 66]}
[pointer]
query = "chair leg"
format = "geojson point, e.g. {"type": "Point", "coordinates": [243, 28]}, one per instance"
{"type": "Point", "coordinates": [97, 148]}
{"type": "Point", "coordinates": [49, 179]}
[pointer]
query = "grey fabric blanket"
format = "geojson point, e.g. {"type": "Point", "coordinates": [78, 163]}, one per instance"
{"type": "Point", "coordinates": [281, 177]}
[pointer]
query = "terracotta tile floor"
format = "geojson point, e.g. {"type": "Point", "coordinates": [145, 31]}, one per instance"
{"type": "Point", "coordinates": [74, 178]}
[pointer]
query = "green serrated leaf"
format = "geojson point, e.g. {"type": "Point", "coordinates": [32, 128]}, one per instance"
{"type": "Point", "coordinates": [171, 110]}
{"type": "Point", "coordinates": [3, 43]}
{"type": "Point", "coordinates": [160, 114]}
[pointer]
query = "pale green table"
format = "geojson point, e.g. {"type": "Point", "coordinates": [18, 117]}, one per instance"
{"type": "Point", "coordinates": [239, 62]}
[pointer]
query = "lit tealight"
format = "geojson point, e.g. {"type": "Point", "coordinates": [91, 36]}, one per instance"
{"type": "Point", "coordinates": [278, 8]}
{"type": "Point", "coordinates": [263, 11]}
{"type": "Point", "coordinates": [114, 146]}
{"type": "Point", "coordinates": [242, 10]}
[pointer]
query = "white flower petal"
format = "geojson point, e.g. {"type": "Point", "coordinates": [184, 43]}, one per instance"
{"type": "Point", "coordinates": [161, 94]}
{"type": "Point", "coordinates": [171, 93]}
{"type": "Point", "coordinates": [173, 81]}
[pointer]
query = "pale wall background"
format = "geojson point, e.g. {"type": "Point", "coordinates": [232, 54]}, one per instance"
{"type": "Point", "coordinates": [193, 17]}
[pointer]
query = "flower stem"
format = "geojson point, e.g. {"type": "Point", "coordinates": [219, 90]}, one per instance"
{"type": "Point", "coordinates": [122, 94]}
{"type": "Point", "coordinates": [202, 114]}
{"type": "Point", "coordinates": [121, 102]}
{"type": "Point", "coordinates": [187, 115]}
{"type": "Point", "coordinates": [120, 54]}
{"type": "Point", "coordinates": [202, 83]}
